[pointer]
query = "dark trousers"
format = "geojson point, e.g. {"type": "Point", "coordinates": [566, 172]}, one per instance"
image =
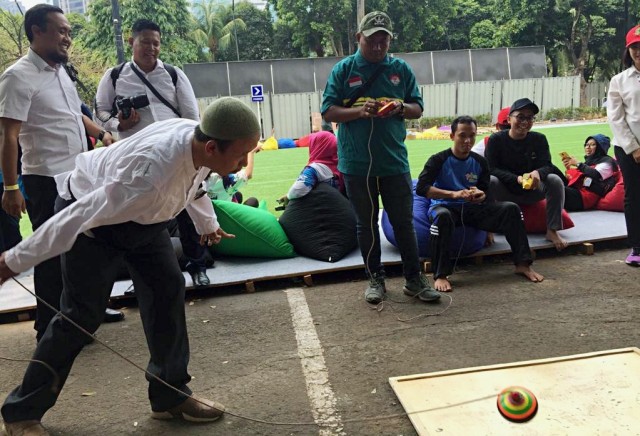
{"type": "Point", "coordinates": [397, 198]}
{"type": "Point", "coordinates": [552, 189]}
{"type": "Point", "coordinates": [9, 229]}
{"type": "Point", "coordinates": [89, 270]}
{"type": "Point", "coordinates": [47, 277]}
{"type": "Point", "coordinates": [631, 176]}
{"type": "Point", "coordinates": [190, 240]}
{"type": "Point", "coordinates": [503, 217]}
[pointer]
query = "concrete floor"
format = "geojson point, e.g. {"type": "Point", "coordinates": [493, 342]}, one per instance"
{"type": "Point", "coordinates": [264, 355]}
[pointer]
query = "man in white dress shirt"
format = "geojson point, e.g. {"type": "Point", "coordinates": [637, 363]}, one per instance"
{"type": "Point", "coordinates": [170, 95]}
{"type": "Point", "coordinates": [40, 107]}
{"type": "Point", "coordinates": [114, 206]}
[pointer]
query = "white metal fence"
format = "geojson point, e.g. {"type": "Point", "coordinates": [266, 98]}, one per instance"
{"type": "Point", "coordinates": [289, 115]}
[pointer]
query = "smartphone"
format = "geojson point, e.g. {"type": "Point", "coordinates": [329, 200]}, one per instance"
{"type": "Point", "coordinates": [387, 108]}
{"type": "Point", "coordinates": [564, 155]}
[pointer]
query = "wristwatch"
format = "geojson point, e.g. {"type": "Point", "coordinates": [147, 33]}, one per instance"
{"type": "Point", "coordinates": [401, 113]}
{"type": "Point", "coordinates": [102, 133]}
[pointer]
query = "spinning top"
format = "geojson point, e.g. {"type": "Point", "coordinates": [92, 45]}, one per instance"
{"type": "Point", "coordinates": [517, 404]}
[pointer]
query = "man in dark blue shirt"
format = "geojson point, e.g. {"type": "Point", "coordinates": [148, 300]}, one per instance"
{"type": "Point", "coordinates": [457, 180]}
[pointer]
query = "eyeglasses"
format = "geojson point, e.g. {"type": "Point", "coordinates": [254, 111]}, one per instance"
{"type": "Point", "coordinates": [524, 118]}
{"type": "Point", "coordinates": [590, 145]}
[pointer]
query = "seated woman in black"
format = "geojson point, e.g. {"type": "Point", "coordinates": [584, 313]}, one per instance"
{"type": "Point", "coordinates": [592, 179]}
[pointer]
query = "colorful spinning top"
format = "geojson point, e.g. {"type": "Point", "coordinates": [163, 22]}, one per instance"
{"type": "Point", "coordinates": [517, 404]}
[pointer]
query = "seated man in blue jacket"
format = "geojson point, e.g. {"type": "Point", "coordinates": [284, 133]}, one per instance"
{"type": "Point", "coordinates": [456, 180]}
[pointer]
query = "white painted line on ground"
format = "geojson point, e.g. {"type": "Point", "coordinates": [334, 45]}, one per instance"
{"type": "Point", "coordinates": [321, 396]}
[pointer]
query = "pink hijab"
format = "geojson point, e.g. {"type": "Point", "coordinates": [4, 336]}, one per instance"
{"type": "Point", "coordinates": [323, 148]}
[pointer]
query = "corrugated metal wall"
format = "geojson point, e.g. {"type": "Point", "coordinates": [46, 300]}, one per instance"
{"type": "Point", "coordinates": [290, 114]}
{"type": "Point", "coordinates": [596, 93]}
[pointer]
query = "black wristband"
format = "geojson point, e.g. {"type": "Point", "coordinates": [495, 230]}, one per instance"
{"type": "Point", "coordinates": [401, 112]}
{"type": "Point", "coordinates": [102, 133]}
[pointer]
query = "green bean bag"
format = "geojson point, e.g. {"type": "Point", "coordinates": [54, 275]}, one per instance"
{"type": "Point", "coordinates": [258, 233]}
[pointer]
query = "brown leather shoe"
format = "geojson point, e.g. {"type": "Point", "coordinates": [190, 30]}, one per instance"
{"type": "Point", "coordinates": [25, 428]}
{"type": "Point", "coordinates": [192, 410]}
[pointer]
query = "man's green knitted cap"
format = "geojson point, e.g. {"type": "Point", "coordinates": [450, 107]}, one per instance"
{"type": "Point", "coordinates": [228, 118]}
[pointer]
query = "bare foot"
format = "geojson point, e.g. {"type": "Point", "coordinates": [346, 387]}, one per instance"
{"type": "Point", "coordinates": [529, 273]}
{"type": "Point", "coordinates": [490, 240]}
{"type": "Point", "coordinates": [442, 285]}
{"type": "Point", "coordinates": [553, 236]}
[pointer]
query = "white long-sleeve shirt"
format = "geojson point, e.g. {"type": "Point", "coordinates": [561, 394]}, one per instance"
{"type": "Point", "coordinates": [623, 109]}
{"type": "Point", "coordinates": [181, 96]}
{"type": "Point", "coordinates": [147, 178]}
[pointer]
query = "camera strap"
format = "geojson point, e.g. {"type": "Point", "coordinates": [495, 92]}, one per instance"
{"type": "Point", "coordinates": [154, 90]}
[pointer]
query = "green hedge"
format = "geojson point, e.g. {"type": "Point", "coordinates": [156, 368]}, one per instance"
{"type": "Point", "coordinates": [567, 113]}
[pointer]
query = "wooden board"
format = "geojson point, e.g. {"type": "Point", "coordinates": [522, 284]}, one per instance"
{"type": "Point", "coordinates": [590, 226]}
{"type": "Point", "coordinates": [585, 394]}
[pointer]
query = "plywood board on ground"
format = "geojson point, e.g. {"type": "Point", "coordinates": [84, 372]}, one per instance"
{"type": "Point", "coordinates": [586, 394]}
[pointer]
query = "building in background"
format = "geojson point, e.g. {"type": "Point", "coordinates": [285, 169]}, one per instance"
{"type": "Point", "coordinates": [79, 6]}
{"type": "Point", "coordinates": [12, 7]}
{"type": "Point", "coordinates": [260, 4]}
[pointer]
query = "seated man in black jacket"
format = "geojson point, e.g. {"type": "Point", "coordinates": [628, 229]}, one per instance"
{"type": "Point", "coordinates": [521, 168]}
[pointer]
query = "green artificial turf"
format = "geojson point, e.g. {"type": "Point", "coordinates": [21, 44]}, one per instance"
{"type": "Point", "coordinates": [276, 170]}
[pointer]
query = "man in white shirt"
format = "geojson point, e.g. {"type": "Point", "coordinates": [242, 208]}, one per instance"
{"type": "Point", "coordinates": [40, 107]}
{"type": "Point", "coordinates": [115, 205]}
{"type": "Point", "coordinates": [170, 96]}
{"type": "Point", "coordinates": [145, 44]}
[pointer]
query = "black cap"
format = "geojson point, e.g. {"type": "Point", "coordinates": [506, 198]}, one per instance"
{"type": "Point", "coordinates": [522, 103]}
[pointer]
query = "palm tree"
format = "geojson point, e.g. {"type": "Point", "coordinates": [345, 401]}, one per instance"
{"type": "Point", "coordinates": [211, 31]}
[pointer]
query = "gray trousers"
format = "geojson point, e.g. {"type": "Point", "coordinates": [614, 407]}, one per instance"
{"type": "Point", "coordinates": [552, 189]}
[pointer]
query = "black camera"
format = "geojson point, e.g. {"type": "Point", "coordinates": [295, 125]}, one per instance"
{"type": "Point", "coordinates": [282, 204]}
{"type": "Point", "coordinates": [125, 104]}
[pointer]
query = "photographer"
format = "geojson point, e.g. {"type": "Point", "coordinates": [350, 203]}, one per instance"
{"type": "Point", "coordinates": [135, 94]}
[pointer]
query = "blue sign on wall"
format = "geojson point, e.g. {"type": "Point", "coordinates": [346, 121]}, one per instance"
{"type": "Point", "coordinates": [257, 93]}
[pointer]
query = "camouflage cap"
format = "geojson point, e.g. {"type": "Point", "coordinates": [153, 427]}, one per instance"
{"type": "Point", "coordinates": [374, 22]}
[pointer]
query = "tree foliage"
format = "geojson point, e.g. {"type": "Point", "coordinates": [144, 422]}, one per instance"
{"type": "Point", "coordinates": [317, 25]}
{"type": "Point", "coordinates": [583, 37]}
{"type": "Point", "coordinates": [173, 17]}
{"type": "Point", "coordinates": [13, 41]}
{"type": "Point", "coordinates": [255, 40]}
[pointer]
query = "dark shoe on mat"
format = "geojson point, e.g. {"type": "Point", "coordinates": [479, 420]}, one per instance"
{"type": "Point", "coordinates": [200, 279]}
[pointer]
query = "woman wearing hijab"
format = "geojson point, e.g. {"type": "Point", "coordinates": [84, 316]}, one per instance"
{"type": "Point", "coordinates": [321, 168]}
{"type": "Point", "coordinates": [623, 112]}
{"type": "Point", "coordinates": [592, 179]}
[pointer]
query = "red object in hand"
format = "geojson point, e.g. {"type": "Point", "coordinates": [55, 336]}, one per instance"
{"type": "Point", "coordinates": [386, 108]}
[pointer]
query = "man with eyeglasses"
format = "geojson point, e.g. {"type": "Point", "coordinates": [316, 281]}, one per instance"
{"type": "Point", "coordinates": [517, 154]}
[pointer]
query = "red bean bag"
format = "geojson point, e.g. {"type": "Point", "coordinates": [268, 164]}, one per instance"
{"type": "Point", "coordinates": [576, 180]}
{"type": "Point", "coordinates": [304, 141]}
{"type": "Point", "coordinates": [535, 217]}
{"type": "Point", "coordinates": [614, 200]}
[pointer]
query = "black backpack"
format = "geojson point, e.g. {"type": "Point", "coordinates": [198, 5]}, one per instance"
{"type": "Point", "coordinates": [115, 73]}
